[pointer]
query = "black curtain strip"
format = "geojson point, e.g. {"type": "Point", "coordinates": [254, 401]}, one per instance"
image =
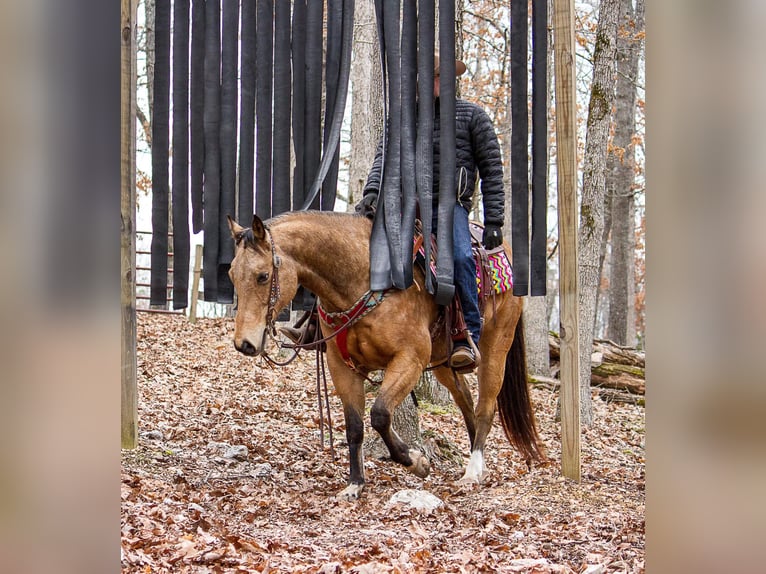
{"type": "Point", "coordinates": [391, 183]}
{"type": "Point", "coordinates": [424, 150]}
{"type": "Point", "coordinates": [299, 99]}
{"type": "Point", "coordinates": [263, 106]}
{"type": "Point", "coordinates": [333, 124]}
{"type": "Point", "coordinates": [197, 96]}
{"type": "Point", "coordinates": [180, 203]}
{"type": "Point", "coordinates": [380, 260]}
{"type": "Point", "coordinates": [282, 88]}
{"type": "Point", "coordinates": [229, 96]}
{"type": "Point", "coordinates": [538, 252]}
{"type": "Point", "coordinates": [245, 193]}
{"type": "Point", "coordinates": [313, 87]}
{"type": "Point", "coordinates": [445, 288]}
{"type": "Point", "coordinates": [212, 130]}
{"type": "Point", "coordinates": [332, 73]}
{"type": "Point", "coordinates": [160, 147]}
{"type": "Point", "coordinates": [409, 119]}
{"type": "Point", "coordinates": [519, 151]}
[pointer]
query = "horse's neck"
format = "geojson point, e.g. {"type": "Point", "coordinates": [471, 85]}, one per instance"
{"type": "Point", "coordinates": [330, 253]}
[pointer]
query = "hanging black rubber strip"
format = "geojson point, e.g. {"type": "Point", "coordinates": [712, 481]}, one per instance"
{"type": "Point", "coordinates": [313, 113]}
{"type": "Point", "coordinates": [180, 203]}
{"type": "Point", "coordinates": [336, 123]}
{"type": "Point", "coordinates": [228, 199]}
{"type": "Point", "coordinates": [380, 260]}
{"type": "Point", "coordinates": [212, 122]}
{"type": "Point", "coordinates": [196, 122]}
{"type": "Point", "coordinates": [519, 151]}
{"type": "Point", "coordinates": [538, 251]}
{"type": "Point", "coordinates": [424, 145]}
{"type": "Point", "coordinates": [160, 147]}
{"type": "Point", "coordinates": [263, 106]}
{"type": "Point", "coordinates": [299, 100]}
{"type": "Point", "coordinates": [409, 119]}
{"type": "Point", "coordinates": [391, 181]}
{"type": "Point", "coordinates": [281, 156]}
{"type": "Point", "coordinates": [332, 77]}
{"type": "Point", "coordinates": [245, 192]}
{"type": "Point", "coordinates": [445, 287]}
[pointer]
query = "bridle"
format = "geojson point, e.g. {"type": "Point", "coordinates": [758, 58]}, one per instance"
{"type": "Point", "coordinates": [274, 291]}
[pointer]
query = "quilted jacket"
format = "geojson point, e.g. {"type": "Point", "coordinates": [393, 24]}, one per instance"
{"type": "Point", "coordinates": [478, 156]}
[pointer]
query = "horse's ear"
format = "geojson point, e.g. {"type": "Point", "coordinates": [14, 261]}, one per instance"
{"type": "Point", "coordinates": [235, 228]}
{"type": "Point", "coordinates": [259, 231]}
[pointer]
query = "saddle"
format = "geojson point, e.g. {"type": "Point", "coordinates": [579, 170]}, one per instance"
{"type": "Point", "coordinates": [494, 275]}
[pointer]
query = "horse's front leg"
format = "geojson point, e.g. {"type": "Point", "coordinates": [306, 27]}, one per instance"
{"type": "Point", "coordinates": [402, 374]}
{"type": "Point", "coordinates": [350, 389]}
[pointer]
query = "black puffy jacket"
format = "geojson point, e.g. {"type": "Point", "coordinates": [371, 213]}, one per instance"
{"type": "Point", "coordinates": [478, 153]}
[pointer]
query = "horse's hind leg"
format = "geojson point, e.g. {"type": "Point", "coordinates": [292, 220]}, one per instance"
{"type": "Point", "coordinates": [461, 394]}
{"type": "Point", "coordinates": [401, 376]}
{"type": "Point", "coordinates": [350, 389]}
{"type": "Point", "coordinates": [495, 342]}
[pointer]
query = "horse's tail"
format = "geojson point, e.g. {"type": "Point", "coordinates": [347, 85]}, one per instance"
{"type": "Point", "coordinates": [514, 404]}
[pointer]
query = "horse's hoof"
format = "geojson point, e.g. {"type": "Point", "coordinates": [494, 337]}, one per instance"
{"type": "Point", "coordinates": [474, 472]}
{"type": "Point", "coordinates": [469, 481]}
{"type": "Point", "coordinates": [351, 493]}
{"type": "Point", "coordinates": [420, 466]}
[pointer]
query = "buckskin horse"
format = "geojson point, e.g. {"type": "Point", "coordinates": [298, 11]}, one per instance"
{"type": "Point", "coordinates": [328, 253]}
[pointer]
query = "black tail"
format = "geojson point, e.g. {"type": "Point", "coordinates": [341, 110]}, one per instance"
{"type": "Point", "coordinates": [513, 402]}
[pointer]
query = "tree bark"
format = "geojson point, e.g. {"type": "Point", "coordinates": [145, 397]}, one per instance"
{"type": "Point", "coordinates": [431, 390]}
{"type": "Point", "coordinates": [592, 206]}
{"type": "Point", "coordinates": [366, 99]}
{"type": "Point", "coordinates": [621, 174]}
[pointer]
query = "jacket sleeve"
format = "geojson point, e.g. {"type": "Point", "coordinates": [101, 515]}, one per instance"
{"type": "Point", "coordinates": [490, 164]}
{"type": "Point", "coordinates": [373, 178]}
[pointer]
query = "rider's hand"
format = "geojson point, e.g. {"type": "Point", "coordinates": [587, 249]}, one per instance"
{"type": "Point", "coordinates": [493, 237]}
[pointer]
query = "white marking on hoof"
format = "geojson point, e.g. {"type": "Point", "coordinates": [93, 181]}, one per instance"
{"type": "Point", "coordinates": [351, 492]}
{"type": "Point", "coordinates": [420, 466]}
{"type": "Point", "coordinates": [475, 468]}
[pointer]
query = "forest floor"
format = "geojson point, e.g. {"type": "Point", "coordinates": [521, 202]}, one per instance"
{"type": "Point", "coordinates": [194, 500]}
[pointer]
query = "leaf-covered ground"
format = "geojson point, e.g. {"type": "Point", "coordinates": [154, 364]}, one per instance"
{"type": "Point", "coordinates": [194, 500]}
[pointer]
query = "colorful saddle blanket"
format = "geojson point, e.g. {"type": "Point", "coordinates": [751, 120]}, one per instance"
{"type": "Point", "coordinates": [494, 273]}
{"type": "Point", "coordinates": [493, 269]}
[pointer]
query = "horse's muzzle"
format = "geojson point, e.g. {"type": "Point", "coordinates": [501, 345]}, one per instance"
{"type": "Point", "coordinates": [246, 348]}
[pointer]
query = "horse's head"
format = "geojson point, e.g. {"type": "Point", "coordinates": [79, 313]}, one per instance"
{"type": "Point", "coordinates": [263, 285]}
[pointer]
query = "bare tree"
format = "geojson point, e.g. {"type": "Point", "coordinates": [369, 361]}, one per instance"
{"type": "Point", "coordinates": [366, 98]}
{"type": "Point", "coordinates": [621, 171]}
{"type": "Point", "coordinates": [593, 190]}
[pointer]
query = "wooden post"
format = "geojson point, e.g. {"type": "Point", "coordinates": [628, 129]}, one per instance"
{"type": "Point", "coordinates": [566, 144]}
{"type": "Point", "coordinates": [195, 283]}
{"type": "Point", "coordinates": [129, 411]}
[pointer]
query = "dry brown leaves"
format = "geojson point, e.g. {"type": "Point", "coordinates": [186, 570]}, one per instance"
{"type": "Point", "coordinates": [188, 508]}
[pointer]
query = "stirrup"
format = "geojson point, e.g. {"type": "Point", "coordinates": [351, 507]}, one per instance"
{"type": "Point", "coordinates": [462, 359]}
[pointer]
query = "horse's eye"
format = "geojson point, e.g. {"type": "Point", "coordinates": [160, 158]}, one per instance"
{"type": "Point", "coordinates": [262, 278]}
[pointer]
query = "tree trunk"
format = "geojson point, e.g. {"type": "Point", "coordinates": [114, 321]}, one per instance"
{"type": "Point", "coordinates": [536, 335]}
{"type": "Point", "coordinates": [621, 174]}
{"type": "Point", "coordinates": [366, 98]}
{"type": "Point", "coordinates": [431, 390]}
{"type": "Point", "coordinates": [592, 206]}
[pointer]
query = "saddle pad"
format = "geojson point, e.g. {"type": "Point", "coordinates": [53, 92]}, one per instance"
{"type": "Point", "coordinates": [500, 271]}
{"type": "Point", "coordinates": [498, 266]}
